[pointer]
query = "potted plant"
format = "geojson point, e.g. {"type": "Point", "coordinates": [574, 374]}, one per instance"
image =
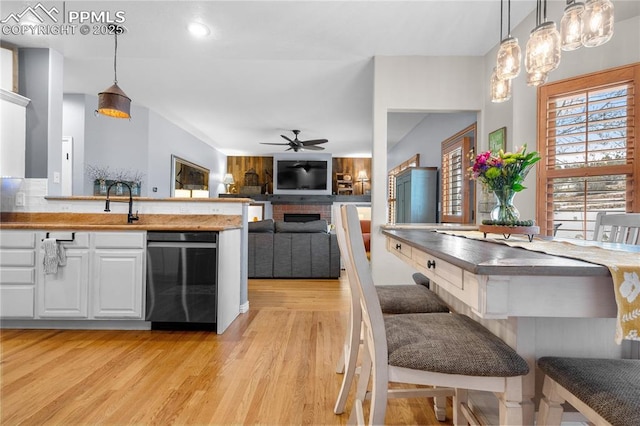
{"type": "Point", "coordinates": [99, 175]}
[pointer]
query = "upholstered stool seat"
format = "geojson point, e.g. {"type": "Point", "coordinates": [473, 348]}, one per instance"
{"type": "Point", "coordinates": [449, 344]}
{"type": "Point", "coordinates": [603, 390]}
{"type": "Point", "coordinates": [409, 299]}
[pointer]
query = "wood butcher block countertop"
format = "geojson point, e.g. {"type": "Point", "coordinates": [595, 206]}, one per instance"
{"type": "Point", "coordinates": [118, 221]}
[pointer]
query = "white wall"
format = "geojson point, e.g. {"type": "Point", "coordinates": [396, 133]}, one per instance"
{"type": "Point", "coordinates": [426, 138]}
{"type": "Point", "coordinates": [165, 139]}
{"type": "Point", "coordinates": [444, 84]}
{"type": "Point", "coordinates": [144, 144]}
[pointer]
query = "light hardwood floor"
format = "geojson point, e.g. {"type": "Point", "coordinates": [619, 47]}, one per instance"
{"type": "Point", "coordinates": [274, 365]}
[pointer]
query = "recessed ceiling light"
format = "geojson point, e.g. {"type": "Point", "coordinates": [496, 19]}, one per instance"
{"type": "Point", "coordinates": [198, 29]}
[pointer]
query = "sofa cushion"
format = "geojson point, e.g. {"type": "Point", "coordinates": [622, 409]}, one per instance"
{"type": "Point", "coordinates": [313, 226]}
{"type": "Point", "coordinates": [266, 225]}
{"type": "Point", "coordinates": [260, 255]}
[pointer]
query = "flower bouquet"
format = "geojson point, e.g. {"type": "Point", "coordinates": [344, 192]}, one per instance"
{"type": "Point", "coordinates": [503, 175]}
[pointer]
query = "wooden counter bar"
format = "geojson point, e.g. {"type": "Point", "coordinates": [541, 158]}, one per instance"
{"type": "Point", "coordinates": [538, 303]}
{"type": "Point", "coordinates": [118, 221]}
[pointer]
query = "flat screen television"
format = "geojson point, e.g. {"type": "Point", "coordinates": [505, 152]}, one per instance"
{"type": "Point", "coordinates": [310, 175]}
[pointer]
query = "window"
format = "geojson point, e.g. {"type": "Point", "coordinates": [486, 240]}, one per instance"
{"type": "Point", "coordinates": [587, 140]}
{"type": "Point", "coordinates": [457, 193]}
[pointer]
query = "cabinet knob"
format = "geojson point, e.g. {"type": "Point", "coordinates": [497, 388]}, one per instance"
{"type": "Point", "coordinates": [398, 246]}
{"type": "Point", "coordinates": [431, 264]}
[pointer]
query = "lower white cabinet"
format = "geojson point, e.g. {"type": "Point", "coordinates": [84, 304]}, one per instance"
{"type": "Point", "coordinates": [17, 274]}
{"type": "Point", "coordinates": [64, 294]}
{"type": "Point", "coordinates": [118, 274]}
{"type": "Point", "coordinates": [103, 278]}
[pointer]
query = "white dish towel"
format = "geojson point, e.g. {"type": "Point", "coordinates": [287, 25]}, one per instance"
{"type": "Point", "coordinates": [54, 255]}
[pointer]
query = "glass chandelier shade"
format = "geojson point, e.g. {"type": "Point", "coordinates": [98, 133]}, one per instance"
{"type": "Point", "coordinates": [597, 22]}
{"type": "Point", "coordinates": [500, 89]}
{"type": "Point", "coordinates": [571, 27]}
{"type": "Point", "coordinates": [536, 79]}
{"type": "Point", "coordinates": [543, 49]}
{"type": "Point", "coordinates": [509, 58]}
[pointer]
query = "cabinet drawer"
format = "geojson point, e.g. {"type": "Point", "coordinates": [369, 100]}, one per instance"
{"type": "Point", "coordinates": [17, 276]}
{"type": "Point", "coordinates": [449, 272]}
{"type": "Point", "coordinates": [398, 247]}
{"type": "Point", "coordinates": [17, 239]}
{"type": "Point", "coordinates": [17, 258]}
{"type": "Point", "coordinates": [17, 302]}
{"type": "Point", "coordinates": [119, 240]}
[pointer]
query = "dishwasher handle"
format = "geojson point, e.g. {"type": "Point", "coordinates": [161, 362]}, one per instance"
{"type": "Point", "coordinates": [169, 244]}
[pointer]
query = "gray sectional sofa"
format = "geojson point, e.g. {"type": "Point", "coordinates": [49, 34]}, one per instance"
{"type": "Point", "coordinates": [292, 250]}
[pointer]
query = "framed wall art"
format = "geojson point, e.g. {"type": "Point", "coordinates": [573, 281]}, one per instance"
{"type": "Point", "coordinates": [498, 140]}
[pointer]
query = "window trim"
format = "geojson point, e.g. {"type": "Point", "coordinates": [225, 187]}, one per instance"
{"type": "Point", "coordinates": [624, 74]}
{"type": "Point", "coordinates": [464, 138]}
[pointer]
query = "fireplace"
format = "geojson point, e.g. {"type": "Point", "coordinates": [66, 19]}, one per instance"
{"type": "Point", "coordinates": [322, 210]}
{"type": "Point", "coordinates": [301, 217]}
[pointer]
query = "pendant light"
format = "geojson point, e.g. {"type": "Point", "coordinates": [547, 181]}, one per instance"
{"type": "Point", "coordinates": [543, 47]}
{"type": "Point", "coordinates": [571, 26]}
{"type": "Point", "coordinates": [113, 102]}
{"type": "Point", "coordinates": [509, 54]}
{"type": "Point", "coordinates": [536, 78]}
{"type": "Point", "coordinates": [500, 89]}
{"type": "Point", "coordinates": [597, 22]}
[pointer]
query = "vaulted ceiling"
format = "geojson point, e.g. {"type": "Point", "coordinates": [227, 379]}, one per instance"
{"type": "Point", "coordinates": [267, 66]}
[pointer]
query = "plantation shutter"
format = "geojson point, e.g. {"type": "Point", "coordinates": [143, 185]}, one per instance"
{"type": "Point", "coordinates": [454, 180]}
{"type": "Point", "coordinates": [588, 145]}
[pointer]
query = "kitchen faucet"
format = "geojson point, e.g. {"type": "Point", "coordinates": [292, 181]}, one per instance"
{"type": "Point", "coordinates": [130, 217]}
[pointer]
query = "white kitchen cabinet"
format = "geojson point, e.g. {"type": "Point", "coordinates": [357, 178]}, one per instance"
{"type": "Point", "coordinates": [118, 275]}
{"type": "Point", "coordinates": [65, 293]}
{"type": "Point", "coordinates": [17, 274]}
{"type": "Point", "coordinates": [103, 277]}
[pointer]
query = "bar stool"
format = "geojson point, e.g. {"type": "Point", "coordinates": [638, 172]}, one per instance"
{"type": "Point", "coordinates": [605, 391]}
{"type": "Point", "coordinates": [446, 350]}
{"type": "Point", "coordinates": [394, 299]}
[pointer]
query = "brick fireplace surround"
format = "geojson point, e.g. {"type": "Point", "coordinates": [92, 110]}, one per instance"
{"type": "Point", "coordinates": [323, 209]}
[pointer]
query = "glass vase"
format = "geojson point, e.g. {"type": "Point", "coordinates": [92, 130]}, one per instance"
{"type": "Point", "coordinates": [504, 212]}
{"type": "Point", "coordinates": [103, 187]}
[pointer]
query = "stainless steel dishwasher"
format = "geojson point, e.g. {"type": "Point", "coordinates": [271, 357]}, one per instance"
{"type": "Point", "coordinates": [182, 280]}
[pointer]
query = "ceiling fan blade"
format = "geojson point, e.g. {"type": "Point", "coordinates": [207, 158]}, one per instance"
{"type": "Point", "coordinates": [314, 142]}
{"type": "Point", "coordinates": [287, 138]}
{"type": "Point", "coordinates": [312, 148]}
{"type": "Point", "coordinates": [270, 143]}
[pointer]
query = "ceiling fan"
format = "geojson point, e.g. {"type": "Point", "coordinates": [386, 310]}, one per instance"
{"type": "Point", "coordinates": [296, 144]}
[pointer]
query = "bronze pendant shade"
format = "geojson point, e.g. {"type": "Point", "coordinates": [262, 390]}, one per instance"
{"type": "Point", "coordinates": [113, 102]}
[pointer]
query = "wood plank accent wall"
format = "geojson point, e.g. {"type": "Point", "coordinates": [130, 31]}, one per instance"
{"type": "Point", "coordinates": [352, 166]}
{"type": "Point", "coordinates": [263, 166]}
{"type": "Point", "coordinates": [238, 166]}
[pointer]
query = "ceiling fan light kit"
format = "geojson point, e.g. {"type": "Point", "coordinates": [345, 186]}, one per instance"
{"type": "Point", "coordinates": [296, 144]}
